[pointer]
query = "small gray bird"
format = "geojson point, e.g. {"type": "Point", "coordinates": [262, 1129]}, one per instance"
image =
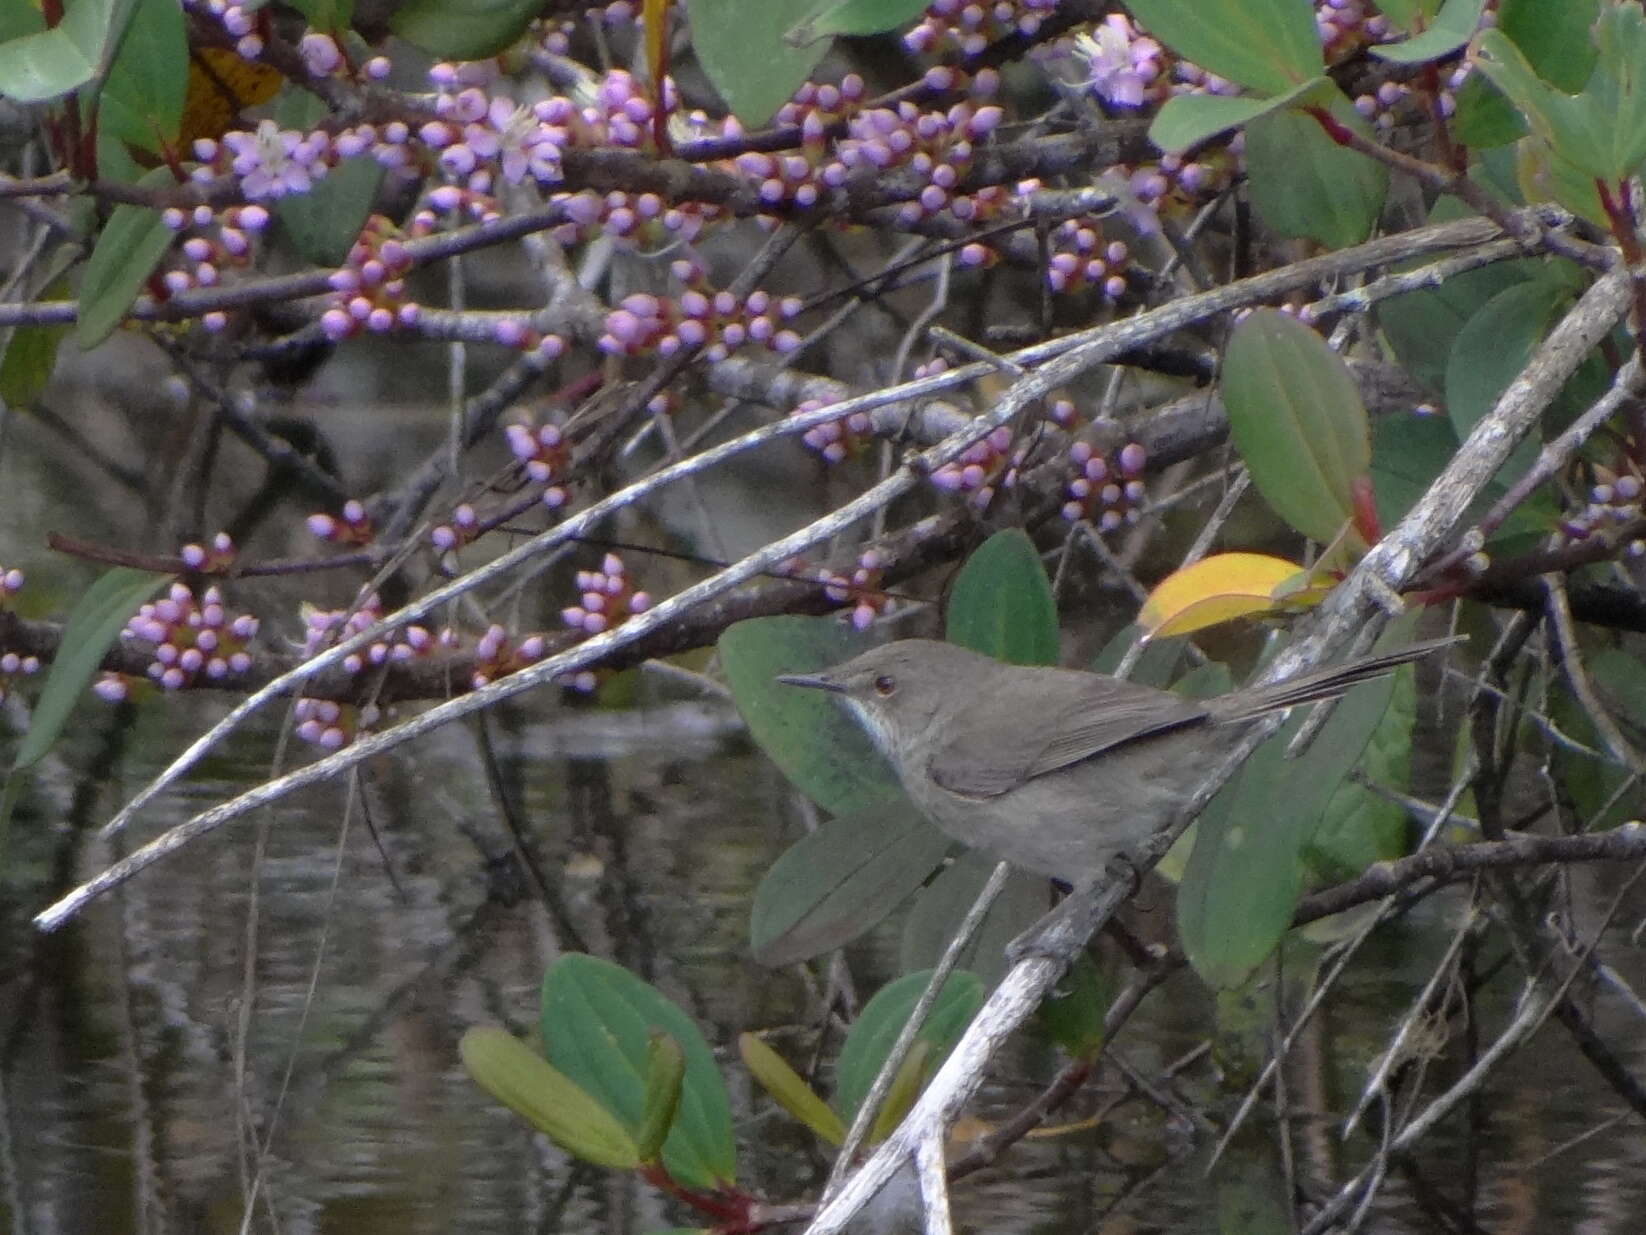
{"type": "Point", "coordinates": [1055, 770]}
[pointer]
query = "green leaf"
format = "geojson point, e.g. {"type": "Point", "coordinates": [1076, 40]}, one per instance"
{"type": "Point", "coordinates": [1602, 131]}
{"type": "Point", "coordinates": [324, 223]}
{"type": "Point", "coordinates": [1422, 325]}
{"type": "Point", "coordinates": [598, 1019]}
{"type": "Point", "coordinates": [463, 29]}
{"type": "Point", "coordinates": [854, 17]}
{"type": "Point", "coordinates": [93, 625]}
{"type": "Point", "coordinates": [883, 1018]}
{"type": "Point", "coordinates": [129, 248]}
{"type": "Point", "coordinates": [789, 1089]}
{"type": "Point", "coordinates": [1305, 184]}
{"type": "Point", "coordinates": [1553, 37]}
{"type": "Point", "coordinates": [50, 63]}
{"type": "Point", "coordinates": [741, 47]}
{"type": "Point", "coordinates": [31, 355]}
{"type": "Point", "coordinates": [1265, 45]}
{"type": "Point", "coordinates": [665, 1074]}
{"type": "Point", "coordinates": [1001, 604]}
{"type": "Point", "coordinates": [1591, 781]}
{"type": "Point", "coordinates": [1189, 119]}
{"type": "Point", "coordinates": [806, 733]}
{"type": "Point", "coordinates": [939, 909]}
{"type": "Point", "coordinates": [509, 1071]}
{"type": "Point", "coordinates": [1453, 27]}
{"type": "Point", "coordinates": [142, 100]}
{"type": "Point", "coordinates": [325, 15]}
{"type": "Point", "coordinates": [1408, 14]}
{"type": "Point", "coordinates": [842, 880]}
{"type": "Point", "coordinates": [1296, 418]}
{"type": "Point", "coordinates": [1072, 1015]}
{"type": "Point", "coordinates": [1243, 878]}
{"type": "Point", "coordinates": [1360, 827]}
{"type": "Point", "coordinates": [1485, 118]}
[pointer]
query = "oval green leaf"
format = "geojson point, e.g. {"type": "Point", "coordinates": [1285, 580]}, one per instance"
{"type": "Point", "coordinates": [1265, 45]}
{"type": "Point", "coordinates": [511, 1072]}
{"type": "Point", "coordinates": [937, 913]}
{"type": "Point", "coordinates": [1305, 184]}
{"type": "Point", "coordinates": [141, 102]}
{"type": "Point", "coordinates": [323, 224]}
{"type": "Point", "coordinates": [47, 64]}
{"type": "Point", "coordinates": [1072, 1015]}
{"type": "Point", "coordinates": [806, 733]}
{"type": "Point", "coordinates": [1452, 27]}
{"type": "Point", "coordinates": [130, 247]}
{"type": "Point", "coordinates": [1244, 876]}
{"type": "Point", "coordinates": [1001, 604]}
{"type": "Point", "coordinates": [665, 1074]}
{"type": "Point", "coordinates": [1297, 420]}
{"type": "Point", "coordinates": [598, 1019]}
{"type": "Point", "coordinates": [1186, 120]}
{"type": "Point", "coordinates": [842, 880]}
{"type": "Point", "coordinates": [463, 29]}
{"type": "Point", "coordinates": [742, 48]}
{"type": "Point", "coordinates": [1553, 37]}
{"type": "Point", "coordinates": [854, 17]}
{"type": "Point", "coordinates": [93, 625]}
{"type": "Point", "coordinates": [883, 1018]}
{"type": "Point", "coordinates": [789, 1089]}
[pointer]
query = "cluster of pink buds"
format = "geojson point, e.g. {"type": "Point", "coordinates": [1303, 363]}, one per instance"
{"type": "Point", "coordinates": [544, 455]}
{"type": "Point", "coordinates": [220, 243]}
{"type": "Point", "coordinates": [331, 725]}
{"type": "Point", "coordinates": [969, 26]}
{"type": "Point", "coordinates": [1347, 27]}
{"type": "Point", "coordinates": [1081, 259]}
{"type": "Point", "coordinates": [239, 22]}
{"type": "Point", "coordinates": [368, 290]}
{"type": "Point", "coordinates": [634, 219]}
{"type": "Point", "coordinates": [715, 321]}
{"type": "Point", "coordinates": [349, 526]}
{"type": "Point", "coordinates": [608, 598]}
{"type": "Point", "coordinates": [14, 666]}
{"type": "Point", "coordinates": [837, 440]}
{"type": "Point", "coordinates": [1109, 492]}
{"type": "Point", "coordinates": [459, 530]}
{"type": "Point", "coordinates": [1612, 505]}
{"type": "Point", "coordinates": [860, 589]}
{"type": "Point", "coordinates": [211, 558]}
{"type": "Point", "coordinates": [497, 656]}
{"type": "Point", "coordinates": [193, 637]}
{"type": "Point", "coordinates": [323, 628]}
{"type": "Point", "coordinates": [983, 468]}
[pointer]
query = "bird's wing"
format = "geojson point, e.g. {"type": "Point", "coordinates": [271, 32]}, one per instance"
{"type": "Point", "coordinates": [997, 743]}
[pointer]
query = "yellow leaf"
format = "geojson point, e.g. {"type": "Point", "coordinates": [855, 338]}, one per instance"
{"type": "Point", "coordinates": [1226, 586]}
{"type": "Point", "coordinates": [221, 86]}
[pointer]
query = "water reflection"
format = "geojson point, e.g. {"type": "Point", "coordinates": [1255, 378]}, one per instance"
{"type": "Point", "coordinates": [141, 1090]}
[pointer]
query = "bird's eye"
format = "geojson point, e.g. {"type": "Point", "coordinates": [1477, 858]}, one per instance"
{"type": "Point", "coordinates": [885, 685]}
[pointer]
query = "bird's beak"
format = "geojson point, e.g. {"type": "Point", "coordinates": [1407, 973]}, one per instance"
{"type": "Point", "coordinates": [816, 681]}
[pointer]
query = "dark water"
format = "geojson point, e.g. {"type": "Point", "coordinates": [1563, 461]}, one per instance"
{"type": "Point", "coordinates": [124, 1109]}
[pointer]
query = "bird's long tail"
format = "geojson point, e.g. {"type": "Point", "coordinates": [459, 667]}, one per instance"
{"type": "Point", "coordinates": [1327, 683]}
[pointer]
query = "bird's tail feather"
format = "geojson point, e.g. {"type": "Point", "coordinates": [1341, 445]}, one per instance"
{"type": "Point", "coordinates": [1327, 683]}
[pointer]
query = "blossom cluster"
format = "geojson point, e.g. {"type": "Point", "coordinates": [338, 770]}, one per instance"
{"type": "Point", "coordinates": [1107, 490]}
{"type": "Point", "coordinates": [716, 321]}
{"type": "Point", "coordinates": [191, 637]}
